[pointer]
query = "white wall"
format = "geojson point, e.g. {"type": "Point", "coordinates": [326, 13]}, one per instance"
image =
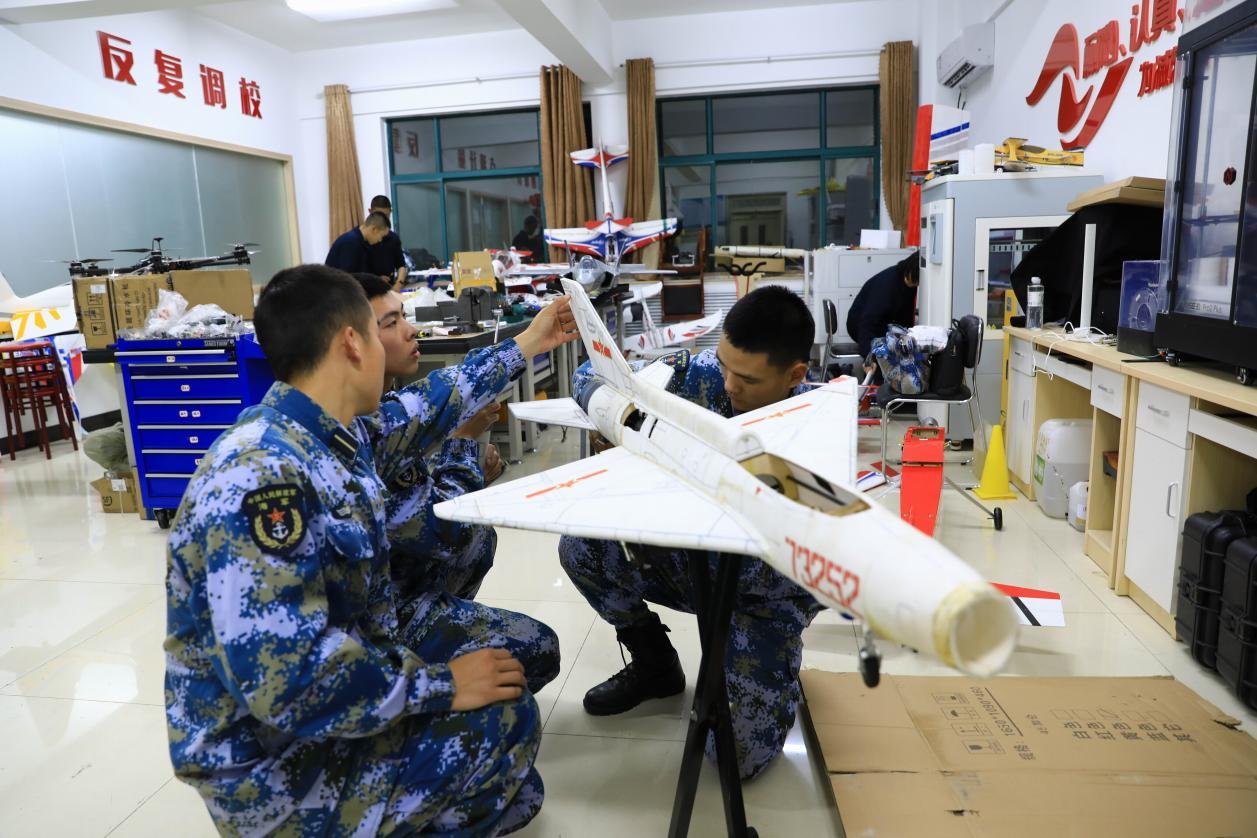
{"type": "Point", "coordinates": [811, 46]}
{"type": "Point", "coordinates": [388, 80]}
{"type": "Point", "coordinates": [1133, 139]}
{"type": "Point", "coordinates": [59, 65]}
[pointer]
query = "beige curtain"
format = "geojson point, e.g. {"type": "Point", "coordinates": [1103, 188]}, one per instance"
{"type": "Point", "coordinates": [895, 73]}
{"type": "Point", "coordinates": [568, 192]}
{"type": "Point", "coordinates": [344, 182]}
{"type": "Point", "coordinates": [642, 198]}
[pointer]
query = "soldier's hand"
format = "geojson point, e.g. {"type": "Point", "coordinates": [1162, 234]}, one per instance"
{"type": "Point", "coordinates": [493, 465]}
{"type": "Point", "coordinates": [484, 677]}
{"type": "Point", "coordinates": [480, 422]}
{"type": "Point", "coordinates": [553, 326]}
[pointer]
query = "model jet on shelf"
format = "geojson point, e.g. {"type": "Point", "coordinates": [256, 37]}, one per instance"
{"type": "Point", "coordinates": [650, 342]}
{"type": "Point", "coordinates": [598, 247]}
{"type": "Point", "coordinates": [775, 483]}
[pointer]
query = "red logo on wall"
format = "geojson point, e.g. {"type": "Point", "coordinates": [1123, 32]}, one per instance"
{"type": "Point", "coordinates": [1084, 110]}
{"type": "Point", "coordinates": [118, 64]}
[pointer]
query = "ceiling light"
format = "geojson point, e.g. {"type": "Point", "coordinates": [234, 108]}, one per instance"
{"type": "Point", "coordinates": [333, 10]}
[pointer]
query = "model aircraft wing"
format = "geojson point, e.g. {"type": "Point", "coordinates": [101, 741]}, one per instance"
{"type": "Point", "coordinates": [634, 268]}
{"type": "Point", "coordinates": [552, 412]}
{"type": "Point", "coordinates": [643, 291]}
{"type": "Point", "coordinates": [590, 498]}
{"type": "Point", "coordinates": [544, 269]}
{"type": "Point", "coordinates": [559, 236]}
{"type": "Point", "coordinates": [815, 430]}
{"type": "Point", "coordinates": [657, 373]}
{"type": "Point", "coordinates": [642, 233]}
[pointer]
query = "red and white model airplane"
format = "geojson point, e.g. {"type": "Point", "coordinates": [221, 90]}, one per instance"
{"type": "Point", "coordinates": [652, 340]}
{"type": "Point", "coordinates": [775, 483]}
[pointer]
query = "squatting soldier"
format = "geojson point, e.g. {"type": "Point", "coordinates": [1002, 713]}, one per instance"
{"type": "Point", "coordinates": [291, 703]}
{"type": "Point", "coordinates": [437, 564]}
{"type": "Point", "coordinates": [761, 359]}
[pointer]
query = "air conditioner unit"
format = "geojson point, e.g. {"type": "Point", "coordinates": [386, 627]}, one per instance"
{"type": "Point", "coordinates": [968, 57]}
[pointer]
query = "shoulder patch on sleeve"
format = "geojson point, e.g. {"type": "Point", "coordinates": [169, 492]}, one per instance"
{"type": "Point", "coordinates": [679, 359]}
{"type": "Point", "coordinates": [276, 516]}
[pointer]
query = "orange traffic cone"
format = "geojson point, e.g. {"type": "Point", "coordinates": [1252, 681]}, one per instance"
{"type": "Point", "coordinates": [994, 485]}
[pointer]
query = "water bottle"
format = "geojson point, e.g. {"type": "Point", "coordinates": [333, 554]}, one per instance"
{"type": "Point", "coordinates": [1034, 304]}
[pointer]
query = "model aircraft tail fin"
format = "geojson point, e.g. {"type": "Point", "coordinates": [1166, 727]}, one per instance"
{"type": "Point", "coordinates": [6, 290]}
{"type": "Point", "coordinates": [602, 157]}
{"type": "Point", "coordinates": [604, 352]}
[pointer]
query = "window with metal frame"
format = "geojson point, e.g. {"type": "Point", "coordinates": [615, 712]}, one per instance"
{"type": "Point", "coordinates": [796, 168]}
{"type": "Point", "coordinates": [465, 182]}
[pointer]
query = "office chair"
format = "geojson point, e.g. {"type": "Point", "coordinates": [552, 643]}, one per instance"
{"type": "Point", "coordinates": [971, 329]}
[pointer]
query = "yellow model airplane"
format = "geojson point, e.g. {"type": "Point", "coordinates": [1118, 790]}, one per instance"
{"type": "Point", "coordinates": [1014, 154]}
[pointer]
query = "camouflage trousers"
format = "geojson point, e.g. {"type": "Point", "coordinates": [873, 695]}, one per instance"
{"type": "Point", "coordinates": [458, 773]}
{"type": "Point", "coordinates": [765, 647]}
{"type": "Point", "coordinates": [446, 627]}
{"type": "Point", "coordinates": [455, 774]}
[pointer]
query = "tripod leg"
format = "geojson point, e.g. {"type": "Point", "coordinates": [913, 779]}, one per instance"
{"type": "Point", "coordinates": [710, 711]}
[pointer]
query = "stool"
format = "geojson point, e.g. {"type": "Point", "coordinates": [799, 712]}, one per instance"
{"type": "Point", "coordinates": [31, 379]}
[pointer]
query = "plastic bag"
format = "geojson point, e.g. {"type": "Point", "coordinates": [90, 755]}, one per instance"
{"type": "Point", "coordinates": [171, 305]}
{"type": "Point", "coordinates": [902, 362]}
{"type": "Point", "coordinates": [107, 447]}
{"type": "Point", "coordinates": [930, 339]}
{"type": "Point", "coordinates": [206, 320]}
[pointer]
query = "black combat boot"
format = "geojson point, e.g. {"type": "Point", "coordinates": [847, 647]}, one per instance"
{"type": "Point", "coordinates": [654, 672]}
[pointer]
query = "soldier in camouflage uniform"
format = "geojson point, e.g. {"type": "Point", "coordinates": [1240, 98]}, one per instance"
{"type": "Point", "coordinates": [292, 705]}
{"type": "Point", "coordinates": [437, 565]}
{"type": "Point", "coordinates": [761, 359]}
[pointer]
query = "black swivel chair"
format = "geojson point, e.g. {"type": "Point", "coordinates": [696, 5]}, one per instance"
{"type": "Point", "coordinates": [834, 351]}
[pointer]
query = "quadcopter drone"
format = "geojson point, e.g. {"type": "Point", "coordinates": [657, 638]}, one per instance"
{"type": "Point", "coordinates": [156, 262]}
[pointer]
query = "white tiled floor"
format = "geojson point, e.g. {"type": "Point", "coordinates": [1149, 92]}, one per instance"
{"type": "Point", "coordinates": [82, 735]}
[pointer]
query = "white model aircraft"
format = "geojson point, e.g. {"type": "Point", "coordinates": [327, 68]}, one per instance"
{"type": "Point", "coordinates": [652, 339]}
{"type": "Point", "coordinates": [43, 313]}
{"type": "Point", "coordinates": [774, 483]}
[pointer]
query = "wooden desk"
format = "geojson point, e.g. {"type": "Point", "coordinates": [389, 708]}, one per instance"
{"type": "Point", "coordinates": [1186, 439]}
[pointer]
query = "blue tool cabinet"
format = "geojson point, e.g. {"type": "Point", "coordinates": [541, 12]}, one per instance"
{"type": "Point", "coordinates": [181, 395]}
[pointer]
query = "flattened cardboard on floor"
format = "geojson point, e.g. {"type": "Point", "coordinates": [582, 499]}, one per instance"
{"type": "Point", "coordinates": [232, 290]}
{"type": "Point", "coordinates": [1031, 756]}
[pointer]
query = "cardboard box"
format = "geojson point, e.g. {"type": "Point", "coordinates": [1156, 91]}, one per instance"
{"type": "Point", "coordinates": [1141, 191]}
{"type": "Point", "coordinates": [881, 238]}
{"type": "Point", "coordinates": [117, 494]}
{"type": "Point", "coordinates": [134, 297]}
{"type": "Point", "coordinates": [139, 496]}
{"type": "Point", "coordinates": [93, 305]}
{"type": "Point", "coordinates": [232, 290]}
{"type": "Point", "coordinates": [1031, 757]}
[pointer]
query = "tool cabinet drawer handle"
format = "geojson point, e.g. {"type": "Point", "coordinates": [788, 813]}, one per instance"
{"type": "Point", "coordinates": [1159, 411]}
{"type": "Point", "coordinates": [1104, 389]}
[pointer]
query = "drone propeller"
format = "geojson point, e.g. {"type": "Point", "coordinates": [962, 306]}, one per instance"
{"type": "Point", "coordinates": [244, 244]}
{"type": "Point", "coordinates": [132, 250]}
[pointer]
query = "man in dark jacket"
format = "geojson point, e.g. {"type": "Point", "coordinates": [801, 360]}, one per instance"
{"type": "Point", "coordinates": [888, 297]}
{"type": "Point", "coordinates": [351, 252]}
